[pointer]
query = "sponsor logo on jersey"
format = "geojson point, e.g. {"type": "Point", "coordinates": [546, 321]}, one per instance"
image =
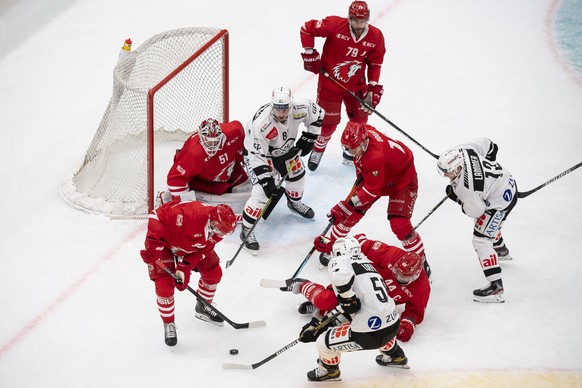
{"type": "Point", "coordinates": [346, 70]}
{"type": "Point", "coordinates": [507, 195]}
{"type": "Point", "coordinates": [299, 116]}
{"type": "Point", "coordinates": [342, 36]}
{"type": "Point", "coordinates": [232, 141]}
{"type": "Point", "coordinates": [180, 170]}
{"type": "Point", "coordinates": [494, 223]}
{"type": "Point", "coordinates": [272, 134]}
{"type": "Point", "coordinates": [368, 44]}
{"type": "Point", "coordinates": [374, 322]}
{"type": "Point", "coordinates": [179, 220]}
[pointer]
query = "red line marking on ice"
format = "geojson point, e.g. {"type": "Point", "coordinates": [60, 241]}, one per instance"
{"type": "Point", "coordinates": [550, 20]}
{"type": "Point", "coordinates": [61, 299]}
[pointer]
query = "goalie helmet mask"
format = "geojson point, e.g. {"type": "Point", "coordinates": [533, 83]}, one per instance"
{"type": "Point", "coordinates": [346, 246]}
{"type": "Point", "coordinates": [407, 268]}
{"type": "Point", "coordinates": [449, 162]}
{"type": "Point", "coordinates": [222, 220]}
{"type": "Point", "coordinates": [211, 136]}
{"type": "Point", "coordinates": [359, 10]}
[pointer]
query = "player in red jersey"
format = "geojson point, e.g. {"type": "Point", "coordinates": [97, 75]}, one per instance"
{"type": "Point", "coordinates": [353, 49]}
{"type": "Point", "coordinates": [210, 161]}
{"type": "Point", "coordinates": [386, 168]}
{"type": "Point", "coordinates": [181, 237]}
{"type": "Point", "coordinates": [403, 277]}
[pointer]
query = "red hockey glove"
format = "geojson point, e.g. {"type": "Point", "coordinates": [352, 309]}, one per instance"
{"type": "Point", "coordinates": [151, 255]}
{"type": "Point", "coordinates": [341, 212]}
{"type": "Point", "coordinates": [406, 330]}
{"type": "Point", "coordinates": [373, 97]}
{"type": "Point", "coordinates": [183, 271]}
{"type": "Point", "coordinates": [311, 61]}
{"type": "Point", "coordinates": [322, 244]}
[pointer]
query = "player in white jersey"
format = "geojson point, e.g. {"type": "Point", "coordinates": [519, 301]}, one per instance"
{"type": "Point", "coordinates": [273, 148]}
{"type": "Point", "coordinates": [486, 192]}
{"type": "Point", "coordinates": [363, 297]}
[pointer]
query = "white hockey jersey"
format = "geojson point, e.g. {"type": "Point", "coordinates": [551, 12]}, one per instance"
{"type": "Point", "coordinates": [483, 184]}
{"type": "Point", "coordinates": [266, 138]}
{"type": "Point", "coordinates": [378, 310]}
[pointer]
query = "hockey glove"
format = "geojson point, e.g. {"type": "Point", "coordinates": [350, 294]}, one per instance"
{"type": "Point", "coordinates": [451, 194]}
{"type": "Point", "coordinates": [350, 305]}
{"type": "Point", "coordinates": [373, 97]}
{"type": "Point", "coordinates": [305, 143]}
{"type": "Point", "coordinates": [309, 333]}
{"type": "Point", "coordinates": [183, 271]}
{"type": "Point", "coordinates": [311, 61]}
{"type": "Point", "coordinates": [270, 189]}
{"type": "Point", "coordinates": [322, 244]}
{"type": "Point", "coordinates": [341, 211]}
{"type": "Point", "coordinates": [406, 330]}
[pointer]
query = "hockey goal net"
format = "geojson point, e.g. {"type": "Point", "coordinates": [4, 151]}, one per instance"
{"type": "Point", "coordinates": [161, 92]}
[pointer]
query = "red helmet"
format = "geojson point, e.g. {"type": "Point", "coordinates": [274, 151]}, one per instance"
{"type": "Point", "coordinates": [354, 135]}
{"type": "Point", "coordinates": [407, 268]}
{"type": "Point", "coordinates": [222, 220]}
{"type": "Point", "coordinates": [359, 10]}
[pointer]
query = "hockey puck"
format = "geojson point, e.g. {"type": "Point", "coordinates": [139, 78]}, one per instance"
{"type": "Point", "coordinates": [234, 352]}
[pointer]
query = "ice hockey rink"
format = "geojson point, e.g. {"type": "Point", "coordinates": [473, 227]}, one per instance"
{"type": "Point", "coordinates": [77, 308]}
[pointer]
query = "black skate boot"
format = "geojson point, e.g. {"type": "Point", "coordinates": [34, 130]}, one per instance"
{"type": "Point", "coordinates": [314, 160]}
{"type": "Point", "coordinates": [395, 357]}
{"type": "Point", "coordinates": [306, 308]}
{"type": "Point", "coordinates": [493, 293]}
{"type": "Point", "coordinates": [300, 208]}
{"type": "Point", "coordinates": [503, 253]}
{"type": "Point", "coordinates": [250, 244]}
{"type": "Point", "coordinates": [170, 335]}
{"type": "Point", "coordinates": [206, 314]}
{"type": "Point", "coordinates": [324, 372]}
{"type": "Point", "coordinates": [427, 270]}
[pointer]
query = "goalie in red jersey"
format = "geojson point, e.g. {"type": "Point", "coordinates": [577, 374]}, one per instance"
{"type": "Point", "coordinates": [181, 237]}
{"type": "Point", "coordinates": [210, 161]}
{"type": "Point", "coordinates": [403, 277]}
{"type": "Point", "coordinates": [353, 49]}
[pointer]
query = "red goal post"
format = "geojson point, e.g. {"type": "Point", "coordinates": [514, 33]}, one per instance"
{"type": "Point", "coordinates": [161, 92]}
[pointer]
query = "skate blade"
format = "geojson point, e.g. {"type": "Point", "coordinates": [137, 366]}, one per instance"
{"type": "Point", "coordinates": [505, 258]}
{"type": "Point", "coordinates": [489, 299]}
{"type": "Point", "coordinates": [204, 318]}
{"type": "Point", "coordinates": [252, 252]}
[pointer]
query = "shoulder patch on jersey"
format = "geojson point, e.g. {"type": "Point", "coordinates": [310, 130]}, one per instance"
{"type": "Point", "coordinates": [299, 116]}
{"type": "Point", "coordinates": [375, 173]}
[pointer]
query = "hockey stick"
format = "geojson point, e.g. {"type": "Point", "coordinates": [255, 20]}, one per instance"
{"type": "Point", "coordinates": [246, 325]}
{"type": "Point", "coordinates": [529, 192]}
{"type": "Point", "coordinates": [322, 324]}
{"type": "Point", "coordinates": [425, 217]}
{"type": "Point", "coordinates": [326, 74]}
{"type": "Point", "coordinates": [229, 262]}
{"type": "Point", "coordinates": [282, 284]}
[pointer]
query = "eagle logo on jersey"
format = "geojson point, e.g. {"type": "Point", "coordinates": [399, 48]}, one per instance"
{"type": "Point", "coordinates": [346, 70]}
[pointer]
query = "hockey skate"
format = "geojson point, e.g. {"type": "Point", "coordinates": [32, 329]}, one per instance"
{"type": "Point", "coordinates": [347, 159]}
{"type": "Point", "coordinates": [427, 270]}
{"type": "Point", "coordinates": [300, 208]}
{"type": "Point", "coordinates": [206, 314]}
{"type": "Point", "coordinates": [493, 293]}
{"type": "Point", "coordinates": [314, 160]}
{"type": "Point", "coordinates": [503, 253]}
{"type": "Point", "coordinates": [306, 308]}
{"type": "Point", "coordinates": [324, 372]}
{"type": "Point", "coordinates": [170, 335]}
{"type": "Point", "coordinates": [393, 358]}
{"type": "Point", "coordinates": [251, 244]}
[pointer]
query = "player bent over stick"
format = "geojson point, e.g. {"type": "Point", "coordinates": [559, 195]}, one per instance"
{"type": "Point", "coordinates": [401, 273]}
{"type": "Point", "coordinates": [374, 319]}
{"type": "Point", "coordinates": [272, 148]}
{"type": "Point", "coordinates": [486, 192]}
{"type": "Point", "coordinates": [386, 168]}
{"type": "Point", "coordinates": [181, 237]}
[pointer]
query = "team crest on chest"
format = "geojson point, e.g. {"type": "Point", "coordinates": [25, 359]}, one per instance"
{"type": "Point", "coordinates": [272, 134]}
{"type": "Point", "coordinates": [346, 70]}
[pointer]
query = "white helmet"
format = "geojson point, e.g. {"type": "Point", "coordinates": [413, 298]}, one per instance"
{"type": "Point", "coordinates": [281, 98]}
{"type": "Point", "coordinates": [450, 161]}
{"type": "Point", "coordinates": [211, 136]}
{"type": "Point", "coordinates": [346, 246]}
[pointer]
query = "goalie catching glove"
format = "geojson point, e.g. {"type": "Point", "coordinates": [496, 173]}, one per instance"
{"type": "Point", "coordinates": [373, 97]}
